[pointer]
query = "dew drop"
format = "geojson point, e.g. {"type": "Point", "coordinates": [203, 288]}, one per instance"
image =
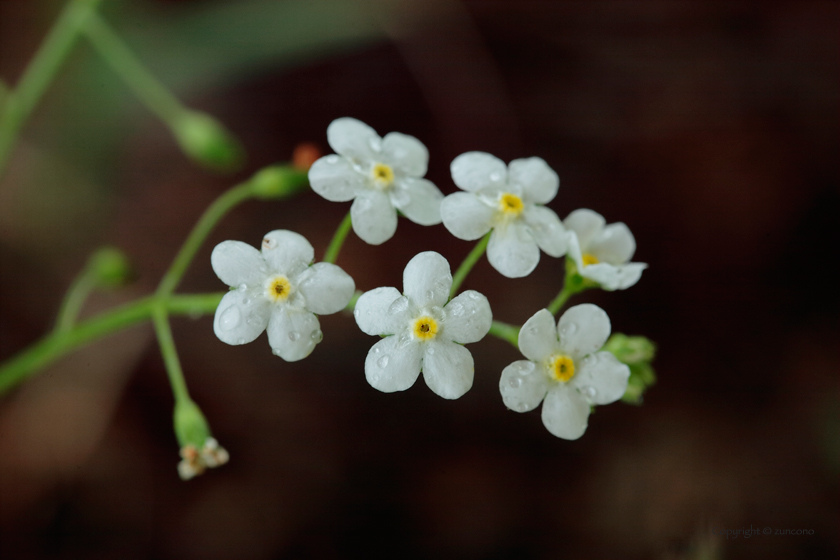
{"type": "Point", "coordinates": [521, 407]}
{"type": "Point", "coordinates": [495, 176]}
{"type": "Point", "coordinates": [589, 391]}
{"type": "Point", "coordinates": [400, 198]}
{"type": "Point", "coordinates": [230, 318]}
{"type": "Point", "coordinates": [515, 382]}
{"type": "Point", "coordinates": [356, 313]}
{"type": "Point", "coordinates": [333, 159]}
{"type": "Point", "coordinates": [526, 368]}
{"type": "Point", "coordinates": [275, 351]}
{"type": "Point", "coordinates": [317, 336]}
{"type": "Point", "coordinates": [430, 294]}
{"type": "Point", "coordinates": [375, 144]}
{"type": "Point", "coordinates": [241, 341]}
{"type": "Point", "coordinates": [382, 362]}
{"type": "Point", "coordinates": [430, 350]}
{"type": "Point", "coordinates": [246, 301]}
{"type": "Point", "coordinates": [294, 335]}
{"type": "Point", "coordinates": [399, 305]}
{"type": "Point", "coordinates": [474, 295]}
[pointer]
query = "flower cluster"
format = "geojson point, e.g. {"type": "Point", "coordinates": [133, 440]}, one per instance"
{"type": "Point", "coordinates": [424, 328]}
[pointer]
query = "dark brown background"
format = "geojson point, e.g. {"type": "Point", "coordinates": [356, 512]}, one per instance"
{"type": "Point", "coordinates": [709, 128]}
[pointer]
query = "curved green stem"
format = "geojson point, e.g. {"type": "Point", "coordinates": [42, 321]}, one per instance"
{"type": "Point", "coordinates": [52, 347]}
{"type": "Point", "coordinates": [468, 264]}
{"type": "Point", "coordinates": [506, 332]}
{"type": "Point", "coordinates": [338, 239]}
{"type": "Point", "coordinates": [40, 72]}
{"type": "Point", "coordinates": [160, 319]}
{"type": "Point", "coordinates": [73, 301]}
{"type": "Point", "coordinates": [560, 300]}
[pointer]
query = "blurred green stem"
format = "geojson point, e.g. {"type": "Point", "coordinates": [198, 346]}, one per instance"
{"type": "Point", "coordinates": [160, 319]}
{"type": "Point", "coordinates": [468, 264]}
{"type": "Point", "coordinates": [76, 296]}
{"type": "Point", "coordinates": [39, 74]}
{"type": "Point", "coordinates": [338, 239]}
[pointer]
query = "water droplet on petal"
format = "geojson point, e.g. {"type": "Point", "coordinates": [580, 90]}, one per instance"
{"type": "Point", "coordinates": [376, 350]}
{"type": "Point", "coordinates": [246, 301]}
{"type": "Point", "coordinates": [240, 341]}
{"type": "Point", "coordinates": [242, 287]}
{"type": "Point", "coordinates": [400, 198]}
{"type": "Point", "coordinates": [317, 336]}
{"type": "Point", "coordinates": [382, 362]}
{"type": "Point", "coordinates": [230, 318]}
{"type": "Point", "coordinates": [430, 350]}
{"type": "Point", "coordinates": [275, 351]}
{"type": "Point", "coordinates": [495, 176]}
{"type": "Point", "coordinates": [521, 407]}
{"type": "Point", "coordinates": [525, 368]}
{"type": "Point", "coordinates": [589, 391]}
{"type": "Point", "coordinates": [356, 313]}
{"type": "Point", "coordinates": [294, 335]}
{"type": "Point", "coordinates": [333, 159]}
{"type": "Point", "coordinates": [375, 144]}
{"type": "Point", "coordinates": [430, 294]}
{"type": "Point", "coordinates": [474, 295]}
{"type": "Point", "coordinates": [399, 305]}
{"type": "Point", "coordinates": [515, 382]}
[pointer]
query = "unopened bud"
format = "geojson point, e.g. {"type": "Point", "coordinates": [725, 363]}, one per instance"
{"type": "Point", "coordinates": [110, 267]}
{"type": "Point", "coordinates": [304, 155]}
{"type": "Point", "coordinates": [638, 353]}
{"type": "Point", "coordinates": [277, 181]}
{"type": "Point", "coordinates": [208, 142]}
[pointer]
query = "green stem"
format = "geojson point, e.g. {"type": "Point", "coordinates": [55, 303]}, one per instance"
{"type": "Point", "coordinates": [38, 75]}
{"type": "Point", "coordinates": [202, 229]}
{"type": "Point", "coordinates": [338, 239]}
{"type": "Point", "coordinates": [126, 65]}
{"type": "Point", "coordinates": [468, 264]}
{"type": "Point", "coordinates": [558, 302]}
{"type": "Point", "coordinates": [506, 332]}
{"type": "Point", "coordinates": [160, 319]}
{"type": "Point", "coordinates": [75, 298]}
{"type": "Point", "coordinates": [52, 347]}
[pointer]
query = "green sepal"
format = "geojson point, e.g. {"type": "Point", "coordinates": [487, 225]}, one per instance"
{"type": "Point", "coordinates": [190, 425]}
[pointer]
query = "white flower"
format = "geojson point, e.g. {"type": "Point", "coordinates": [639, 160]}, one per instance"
{"type": "Point", "coordinates": [602, 253]}
{"type": "Point", "coordinates": [195, 461]}
{"type": "Point", "coordinates": [383, 175]}
{"type": "Point", "coordinates": [423, 332]}
{"type": "Point", "coordinates": [277, 289]}
{"type": "Point", "coordinates": [508, 200]}
{"type": "Point", "coordinates": [569, 373]}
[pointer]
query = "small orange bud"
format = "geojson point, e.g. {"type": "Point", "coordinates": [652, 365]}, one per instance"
{"type": "Point", "coordinates": [305, 155]}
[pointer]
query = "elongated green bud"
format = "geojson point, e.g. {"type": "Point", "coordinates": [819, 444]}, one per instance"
{"type": "Point", "coordinates": [208, 142]}
{"type": "Point", "coordinates": [278, 181]}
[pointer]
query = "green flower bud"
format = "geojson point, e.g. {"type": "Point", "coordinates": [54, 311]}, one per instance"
{"type": "Point", "coordinates": [638, 353]}
{"type": "Point", "coordinates": [109, 267]}
{"type": "Point", "coordinates": [277, 181]}
{"type": "Point", "coordinates": [191, 427]}
{"type": "Point", "coordinates": [208, 142]}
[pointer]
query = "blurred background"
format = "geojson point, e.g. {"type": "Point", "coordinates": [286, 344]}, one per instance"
{"type": "Point", "coordinates": [711, 129]}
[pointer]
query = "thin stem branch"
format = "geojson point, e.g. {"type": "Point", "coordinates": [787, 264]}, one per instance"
{"type": "Point", "coordinates": [468, 264]}
{"type": "Point", "coordinates": [160, 319]}
{"type": "Point", "coordinates": [338, 239]}
{"type": "Point", "coordinates": [49, 349]}
{"type": "Point", "coordinates": [560, 300]}
{"type": "Point", "coordinates": [506, 332]}
{"type": "Point", "coordinates": [125, 64]}
{"type": "Point", "coordinates": [38, 75]}
{"type": "Point", "coordinates": [74, 299]}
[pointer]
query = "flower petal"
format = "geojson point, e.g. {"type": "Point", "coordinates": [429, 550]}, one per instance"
{"type": "Point", "coordinates": [392, 365]}
{"type": "Point", "coordinates": [418, 199]}
{"type": "Point", "coordinates": [236, 263]}
{"type": "Point", "coordinates": [537, 181]}
{"type": "Point", "coordinates": [354, 139]}
{"type": "Point", "coordinates": [614, 245]}
{"type": "Point", "coordinates": [586, 224]}
{"type": "Point", "coordinates": [614, 277]}
{"type": "Point", "coordinates": [547, 229]}
{"type": "Point", "coordinates": [522, 386]}
{"type": "Point", "coordinates": [448, 368]}
{"type": "Point", "coordinates": [293, 333]}
{"type": "Point", "coordinates": [374, 218]}
{"type": "Point", "coordinates": [326, 287]}
{"type": "Point", "coordinates": [583, 330]}
{"type": "Point", "coordinates": [601, 378]}
{"type": "Point", "coordinates": [475, 171]}
{"type": "Point", "coordinates": [512, 250]}
{"type": "Point", "coordinates": [375, 315]}
{"type": "Point", "coordinates": [405, 153]}
{"type": "Point", "coordinates": [466, 216]}
{"type": "Point", "coordinates": [335, 178]}
{"type": "Point", "coordinates": [287, 252]}
{"type": "Point", "coordinates": [240, 317]}
{"type": "Point", "coordinates": [468, 317]}
{"type": "Point", "coordinates": [427, 279]}
{"type": "Point", "coordinates": [565, 413]}
{"type": "Point", "coordinates": [538, 336]}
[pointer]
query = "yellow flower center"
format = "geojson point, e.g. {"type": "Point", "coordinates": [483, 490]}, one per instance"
{"type": "Point", "coordinates": [510, 204]}
{"type": "Point", "coordinates": [383, 175]}
{"type": "Point", "coordinates": [562, 368]}
{"type": "Point", "coordinates": [278, 289]}
{"type": "Point", "coordinates": [425, 328]}
{"type": "Point", "coordinates": [589, 258]}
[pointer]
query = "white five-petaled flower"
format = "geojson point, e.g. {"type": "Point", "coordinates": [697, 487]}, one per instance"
{"type": "Point", "coordinates": [380, 175]}
{"type": "Point", "coordinates": [279, 291]}
{"type": "Point", "coordinates": [602, 252]}
{"type": "Point", "coordinates": [569, 373]}
{"type": "Point", "coordinates": [422, 331]}
{"type": "Point", "coordinates": [507, 199]}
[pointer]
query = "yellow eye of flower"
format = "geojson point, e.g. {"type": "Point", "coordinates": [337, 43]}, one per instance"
{"type": "Point", "coordinates": [278, 288]}
{"type": "Point", "coordinates": [589, 258]}
{"type": "Point", "coordinates": [562, 368]}
{"type": "Point", "coordinates": [383, 175]}
{"type": "Point", "coordinates": [510, 204]}
{"type": "Point", "coordinates": [425, 328]}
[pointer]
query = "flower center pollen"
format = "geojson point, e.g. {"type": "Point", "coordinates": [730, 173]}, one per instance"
{"type": "Point", "coordinates": [510, 204]}
{"type": "Point", "coordinates": [278, 289]}
{"type": "Point", "coordinates": [589, 258]}
{"type": "Point", "coordinates": [562, 368]}
{"type": "Point", "coordinates": [383, 175]}
{"type": "Point", "coordinates": [425, 328]}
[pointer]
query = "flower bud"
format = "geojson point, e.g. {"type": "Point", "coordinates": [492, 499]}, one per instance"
{"type": "Point", "coordinates": [638, 353]}
{"type": "Point", "coordinates": [110, 267]}
{"type": "Point", "coordinates": [190, 425]}
{"type": "Point", "coordinates": [208, 142]}
{"type": "Point", "coordinates": [277, 181]}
